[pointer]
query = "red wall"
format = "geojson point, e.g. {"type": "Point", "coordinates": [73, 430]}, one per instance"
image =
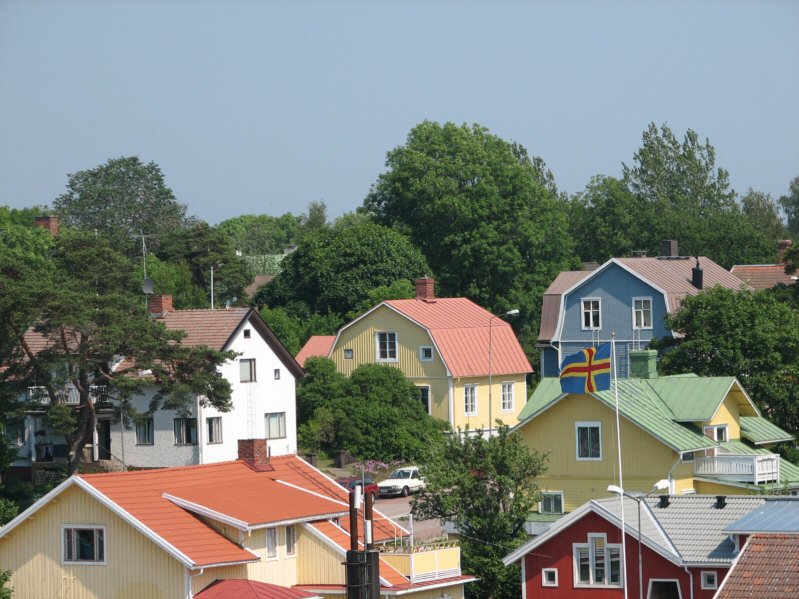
{"type": "Point", "coordinates": [557, 553]}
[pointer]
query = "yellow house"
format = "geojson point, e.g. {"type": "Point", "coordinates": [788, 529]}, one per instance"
{"type": "Point", "coordinates": [466, 362]}
{"type": "Point", "coordinates": [255, 527]}
{"type": "Point", "coordinates": [702, 434]}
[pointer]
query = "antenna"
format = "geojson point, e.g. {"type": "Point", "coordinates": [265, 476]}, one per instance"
{"type": "Point", "coordinates": [147, 286]}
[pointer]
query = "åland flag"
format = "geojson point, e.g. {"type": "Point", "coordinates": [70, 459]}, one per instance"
{"type": "Point", "coordinates": [586, 371]}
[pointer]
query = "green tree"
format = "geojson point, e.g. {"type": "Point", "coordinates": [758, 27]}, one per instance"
{"type": "Point", "coordinates": [334, 269]}
{"type": "Point", "coordinates": [120, 200]}
{"type": "Point", "coordinates": [485, 487]}
{"type": "Point", "coordinates": [484, 214]}
{"type": "Point", "coordinates": [747, 334]}
{"type": "Point", "coordinates": [262, 234]}
{"type": "Point", "coordinates": [790, 205]}
{"type": "Point", "coordinates": [763, 213]}
{"type": "Point", "coordinates": [81, 304]}
{"type": "Point", "coordinates": [175, 279]}
{"type": "Point", "coordinates": [315, 219]}
{"type": "Point", "coordinates": [5, 592]}
{"type": "Point", "coordinates": [399, 289]}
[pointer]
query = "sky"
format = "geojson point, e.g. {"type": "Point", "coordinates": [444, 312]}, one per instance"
{"type": "Point", "coordinates": [263, 107]}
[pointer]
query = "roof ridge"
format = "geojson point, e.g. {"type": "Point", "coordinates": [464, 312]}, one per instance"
{"type": "Point", "coordinates": [145, 471]}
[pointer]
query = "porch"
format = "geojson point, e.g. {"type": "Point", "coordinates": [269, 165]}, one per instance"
{"type": "Point", "coordinates": [754, 469]}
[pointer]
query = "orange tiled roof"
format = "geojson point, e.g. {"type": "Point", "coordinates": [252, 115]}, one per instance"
{"type": "Point", "coordinates": [767, 567]}
{"type": "Point", "coordinates": [762, 276]}
{"type": "Point", "coordinates": [317, 345]}
{"type": "Point", "coordinates": [460, 330]}
{"type": "Point", "coordinates": [250, 589]}
{"type": "Point", "coordinates": [205, 327]}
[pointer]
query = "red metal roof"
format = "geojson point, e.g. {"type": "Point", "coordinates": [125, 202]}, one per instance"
{"type": "Point", "coordinates": [249, 589]}
{"type": "Point", "coordinates": [767, 567]}
{"type": "Point", "coordinates": [316, 346]}
{"type": "Point", "coordinates": [762, 276]}
{"type": "Point", "coordinates": [460, 330]}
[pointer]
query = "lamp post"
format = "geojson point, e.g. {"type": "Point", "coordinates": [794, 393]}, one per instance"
{"type": "Point", "coordinates": [490, 386]}
{"type": "Point", "coordinates": [638, 498]}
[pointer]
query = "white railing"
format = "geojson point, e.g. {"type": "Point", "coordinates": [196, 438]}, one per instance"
{"type": "Point", "coordinates": [67, 395]}
{"type": "Point", "coordinates": [741, 468]}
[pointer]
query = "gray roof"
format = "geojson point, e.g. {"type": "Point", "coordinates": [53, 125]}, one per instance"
{"type": "Point", "coordinates": [777, 514]}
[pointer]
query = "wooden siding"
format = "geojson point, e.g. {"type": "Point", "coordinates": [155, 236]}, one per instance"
{"type": "Point", "coordinates": [729, 413]}
{"type": "Point", "coordinates": [645, 460]}
{"type": "Point", "coordinates": [424, 562]}
{"type": "Point", "coordinates": [481, 419]}
{"type": "Point", "coordinates": [317, 561]}
{"type": "Point", "coordinates": [709, 488]}
{"type": "Point", "coordinates": [135, 567]}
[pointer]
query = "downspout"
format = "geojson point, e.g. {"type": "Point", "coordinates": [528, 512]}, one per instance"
{"type": "Point", "coordinates": [691, 580]}
{"type": "Point", "coordinates": [200, 430]}
{"type": "Point", "coordinates": [188, 594]}
{"type": "Point", "coordinates": [451, 403]}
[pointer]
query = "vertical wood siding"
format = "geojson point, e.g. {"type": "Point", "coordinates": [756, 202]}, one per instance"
{"type": "Point", "coordinates": [318, 562]}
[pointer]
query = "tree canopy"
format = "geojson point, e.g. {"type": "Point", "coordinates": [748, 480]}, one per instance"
{"type": "Point", "coordinates": [790, 205]}
{"type": "Point", "coordinates": [486, 488]}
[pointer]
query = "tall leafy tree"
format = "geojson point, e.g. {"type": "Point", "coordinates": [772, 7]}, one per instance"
{"type": "Point", "coordinates": [764, 214]}
{"type": "Point", "coordinates": [486, 487]}
{"type": "Point", "coordinates": [262, 234]}
{"type": "Point", "coordinates": [747, 334]}
{"type": "Point", "coordinates": [81, 305]}
{"type": "Point", "coordinates": [121, 200]}
{"type": "Point", "coordinates": [484, 214]}
{"type": "Point", "coordinates": [790, 205]}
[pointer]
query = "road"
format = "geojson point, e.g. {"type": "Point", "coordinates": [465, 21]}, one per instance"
{"type": "Point", "coordinates": [398, 508]}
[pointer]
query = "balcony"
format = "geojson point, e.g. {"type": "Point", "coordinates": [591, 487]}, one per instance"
{"type": "Point", "coordinates": [424, 563]}
{"type": "Point", "coordinates": [68, 395]}
{"type": "Point", "coordinates": [755, 469]}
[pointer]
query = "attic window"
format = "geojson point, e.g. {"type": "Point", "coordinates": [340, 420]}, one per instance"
{"type": "Point", "coordinates": [247, 333]}
{"type": "Point", "coordinates": [348, 354]}
{"type": "Point", "coordinates": [426, 353]}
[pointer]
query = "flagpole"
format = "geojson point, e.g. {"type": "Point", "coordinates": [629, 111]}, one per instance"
{"type": "Point", "coordinates": [618, 446]}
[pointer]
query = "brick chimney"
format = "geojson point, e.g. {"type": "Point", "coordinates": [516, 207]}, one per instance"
{"type": "Point", "coordinates": [425, 289]}
{"type": "Point", "coordinates": [255, 453]}
{"type": "Point", "coordinates": [782, 247]}
{"type": "Point", "coordinates": [50, 223]}
{"type": "Point", "coordinates": [159, 305]}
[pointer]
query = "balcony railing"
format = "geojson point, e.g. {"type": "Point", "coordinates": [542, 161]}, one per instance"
{"type": "Point", "coordinates": [740, 468]}
{"type": "Point", "coordinates": [68, 395]}
{"type": "Point", "coordinates": [424, 563]}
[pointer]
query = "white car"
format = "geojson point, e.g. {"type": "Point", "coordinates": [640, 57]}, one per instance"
{"type": "Point", "coordinates": [401, 482]}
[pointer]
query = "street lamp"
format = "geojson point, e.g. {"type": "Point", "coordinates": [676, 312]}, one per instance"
{"type": "Point", "coordinates": [513, 312]}
{"type": "Point", "coordinates": [661, 485]}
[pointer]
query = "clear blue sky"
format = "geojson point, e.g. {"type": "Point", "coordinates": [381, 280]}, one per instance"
{"type": "Point", "coordinates": [262, 107]}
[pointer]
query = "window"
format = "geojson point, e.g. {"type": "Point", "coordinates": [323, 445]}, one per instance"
{"type": "Point", "coordinates": [247, 371]}
{"type": "Point", "coordinates": [15, 431]}
{"type": "Point", "coordinates": [247, 333]}
{"type": "Point", "coordinates": [664, 589]}
{"type": "Point", "coordinates": [386, 347]}
{"type": "Point", "coordinates": [709, 580]}
{"type": "Point", "coordinates": [277, 374]}
{"type": "Point", "coordinates": [549, 577]}
{"type": "Point", "coordinates": [185, 431]}
{"type": "Point", "coordinates": [426, 353]}
{"type": "Point", "coordinates": [348, 354]}
{"type": "Point", "coordinates": [144, 432]}
{"type": "Point", "coordinates": [717, 432]}
{"type": "Point", "coordinates": [551, 503]}
{"type": "Point", "coordinates": [424, 397]}
{"type": "Point", "coordinates": [214, 426]}
{"type": "Point", "coordinates": [276, 425]}
{"type": "Point", "coordinates": [642, 313]}
{"type": "Point", "coordinates": [291, 540]}
{"type": "Point", "coordinates": [591, 320]}
{"type": "Point", "coordinates": [597, 563]}
{"type": "Point", "coordinates": [507, 397]}
{"type": "Point", "coordinates": [688, 456]}
{"type": "Point", "coordinates": [589, 441]}
{"type": "Point", "coordinates": [85, 545]}
{"type": "Point", "coordinates": [271, 543]}
{"type": "Point", "coordinates": [470, 400]}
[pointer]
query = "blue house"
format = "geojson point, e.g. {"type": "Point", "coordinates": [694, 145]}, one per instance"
{"type": "Point", "coordinates": [626, 296]}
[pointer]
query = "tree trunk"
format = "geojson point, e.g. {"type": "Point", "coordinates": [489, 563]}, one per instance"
{"type": "Point", "coordinates": [87, 421]}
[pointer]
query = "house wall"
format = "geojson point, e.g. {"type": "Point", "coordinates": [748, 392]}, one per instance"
{"type": "Point", "coordinates": [645, 460]}
{"type": "Point", "coordinates": [360, 337]}
{"type": "Point", "coordinates": [558, 553]}
{"type": "Point", "coordinates": [135, 566]}
{"type": "Point", "coordinates": [481, 419]}
{"type": "Point", "coordinates": [729, 413]}
{"type": "Point", "coordinates": [318, 563]}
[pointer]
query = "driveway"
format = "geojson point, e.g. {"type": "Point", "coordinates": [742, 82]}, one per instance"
{"type": "Point", "coordinates": [398, 508]}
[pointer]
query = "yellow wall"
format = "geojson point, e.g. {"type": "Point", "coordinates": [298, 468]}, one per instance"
{"type": "Point", "coordinates": [729, 413]}
{"type": "Point", "coordinates": [720, 489]}
{"type": "Point", "coordinates": [481, 419]}
{"type": "Point", "coordinates": [318, 562]}
{"type": "Point", "coordinates": [135, 566]}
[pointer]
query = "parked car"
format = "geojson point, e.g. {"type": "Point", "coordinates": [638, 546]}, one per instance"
{"type": "Point", "coordinates": [367, 484]}
{"type": "Point", "coordinates": [401, 482]}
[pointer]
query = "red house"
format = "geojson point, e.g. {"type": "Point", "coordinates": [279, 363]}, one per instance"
{"type": "Point", "coordinates": [684, 550]}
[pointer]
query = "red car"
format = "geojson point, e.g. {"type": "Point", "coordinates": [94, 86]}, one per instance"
{"type": "Point", "coordinates": [367, 484]}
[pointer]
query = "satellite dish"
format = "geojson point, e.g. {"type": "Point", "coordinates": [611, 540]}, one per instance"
{"type": "Point", "coordinates": [147, 286]}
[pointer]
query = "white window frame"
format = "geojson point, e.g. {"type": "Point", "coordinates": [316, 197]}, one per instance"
{"type": "Point", "coordinates": [592, 327]}
{"type": "Point", "coordinates": [643, 311]}
{"type": "Point", "coordinates": [715, 428]}
{"type": "Point", "coordinates": [651, 580]}
{"type": "Point", "coordinates": [293, 530]}
{"type": "Point", "coordinates": [424, 349]}
{"type": "Point", "coordinates": [544, 581]}
{"type": "Point", "coordinates": [95, 527]}
{"type": "Point", "coordinates": [429, 403]}
{"type": "Point", "coordinates": [592, 563]}
{"type": "Point", "coordinates": [148, 427]}
{"type": "Point", "coordinates": [507, 402]}
{"type": "Point", "coordinates": [709, 586]}
{"type": "Point", "coordinates": [184, 429]}
{"type": "Point", "coordinates": [270, 547]}
{"type": "Point", "coordinates": [389, 342]}
{"type": "Point", "coordinates": [552, 494]}
{"type": "Point", "coordinates": [209, 429]}
{"type": "Point", "coordinates": [281, 420]}
{"type": "Point", "coordinates": [470, 390]}
{"type": "Point", "coordinates": [252, 377]}
{"type": "Point", "coordinates": [587, 424]}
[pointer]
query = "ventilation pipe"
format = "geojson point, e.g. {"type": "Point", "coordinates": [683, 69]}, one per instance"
{"type": "Point", "coordinates": [697, 276]}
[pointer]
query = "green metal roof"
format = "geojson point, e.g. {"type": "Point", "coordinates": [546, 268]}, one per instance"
{"type": "Point", "coordinates": [547, 391]}
{"type": "Point", "coordinates": [758, 430]}
{"type": "Point", "coordinates": [692, 398]}
{"type": "Point", "coordinates": [789, 472]}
